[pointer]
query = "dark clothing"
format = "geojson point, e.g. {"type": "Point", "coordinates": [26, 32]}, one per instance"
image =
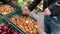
{"type": "Point", "coordinates": [48, 3]}
{"type": "Point", "coordinates": [55, 9]}
{"type": "Point", "coordinates": [52, 24]}
{"type": "Point", "coordinates": [34, 4]}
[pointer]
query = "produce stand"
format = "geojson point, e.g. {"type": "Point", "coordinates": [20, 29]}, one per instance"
{"type": "Point", "coordinates": [12, 10]}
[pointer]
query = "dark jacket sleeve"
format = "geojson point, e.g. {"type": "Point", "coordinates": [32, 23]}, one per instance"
{"type": "Point", "coordinates": [55, 9]}
{"type": "Point", "coordinates": [48, 3]}
{"type": "Point", "coordinates": [52, 8]}
{"type": "Point", "coordinates": [34, 4]}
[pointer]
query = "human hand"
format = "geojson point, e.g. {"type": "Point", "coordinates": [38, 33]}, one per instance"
{"type": "Point", "coordinates": [47, 12]}
{"type": "Point", "coordinates": [25, 10]}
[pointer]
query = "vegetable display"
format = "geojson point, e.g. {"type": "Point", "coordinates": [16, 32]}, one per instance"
{"type": "Point", "coordinates": [28, 24]}
{"type": "Point", "coordinates": [6, 29]}
{"type": "Point", "coordinates": [5, 9]}
{"type": "Point", "coordinates": [21, 3]}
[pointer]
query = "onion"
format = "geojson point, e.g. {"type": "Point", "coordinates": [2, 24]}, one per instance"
{"type": "Point", "coordinates": [0, 27]}
{"type": "Point", "coordinates": [16, 32]}
{"type": "Point", "coordinates": [0, 31]}
{"type": "Point", "coordinates": [4, 32]}
{"type": "Point", "coordinates": [5, 27]}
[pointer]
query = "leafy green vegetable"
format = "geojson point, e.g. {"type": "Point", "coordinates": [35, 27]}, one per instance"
{"type": "Point", "coordinates": [29, 0]}
{"type": "Point", "coordinates": [22, 3]}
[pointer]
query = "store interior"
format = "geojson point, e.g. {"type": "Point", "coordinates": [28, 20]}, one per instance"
{"type": "Point", "coordinates": [17, 17]}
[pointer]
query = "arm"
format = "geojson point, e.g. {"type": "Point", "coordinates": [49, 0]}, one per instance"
{"type": "Point", "coordinates": [34, 4]}
{"type": "Point", "coordinates": [53, 9]}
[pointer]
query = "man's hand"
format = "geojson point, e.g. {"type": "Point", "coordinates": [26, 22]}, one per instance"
{"type": "Point", "coordinates": [25, 10]}
{"type": "Point", "coordinates": [47, 12]}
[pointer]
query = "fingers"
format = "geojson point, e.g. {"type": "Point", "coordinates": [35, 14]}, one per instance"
{"type": "Point", "coordinates": [47, 12]}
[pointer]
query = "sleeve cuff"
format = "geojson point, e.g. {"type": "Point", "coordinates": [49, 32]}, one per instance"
{"type": "Point", "coordinates": [52, 9]}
